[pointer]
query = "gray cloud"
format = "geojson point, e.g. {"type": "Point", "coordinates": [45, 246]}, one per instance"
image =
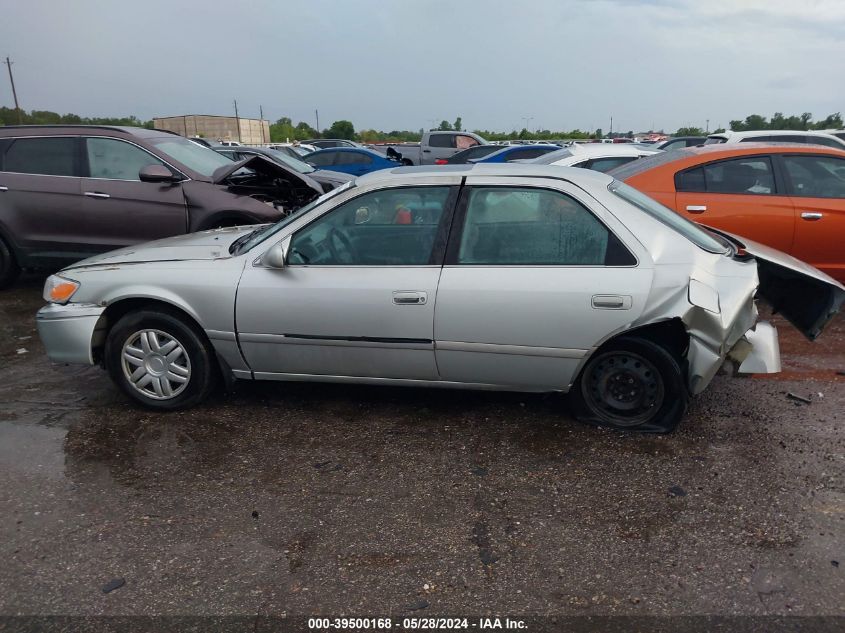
{"type": "Point", "coordinates": [402, 65]}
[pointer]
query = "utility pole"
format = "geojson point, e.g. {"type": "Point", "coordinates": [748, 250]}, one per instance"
{"type": "Point", "coordinates": [707, 129]}
{"type": "Point", "coordinates": [261, 122]}
{"type": "Point", "coordinates": [610, 134]}
{"type": "Point", "coordinates": [317, 114]}
{"type": "Point", "coordinates": [14, 92]}
{"type": "Point", "coordinates": [527, 120]}
{"type": "Point", "coordinates": [237, 121]}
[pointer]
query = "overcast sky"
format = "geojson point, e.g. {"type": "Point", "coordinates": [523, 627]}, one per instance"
{"type": "Point", "coordinates": [406, 65]}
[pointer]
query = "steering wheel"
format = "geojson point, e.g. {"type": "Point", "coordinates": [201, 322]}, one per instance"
{"type": "Point", "coordinates": [337, 238]}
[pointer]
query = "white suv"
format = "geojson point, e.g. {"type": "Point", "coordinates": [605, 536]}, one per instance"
{"type": "Point", "coordinates": [812, 137]}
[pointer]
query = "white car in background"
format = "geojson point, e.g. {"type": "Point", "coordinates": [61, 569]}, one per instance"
{"type": "Point", "coordinates": [811, 137]}
{"type": "Point", "coordinates": [596, 156]}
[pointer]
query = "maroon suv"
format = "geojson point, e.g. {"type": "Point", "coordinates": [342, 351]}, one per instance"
{"type": "Point", "coordinates": [68, 192]}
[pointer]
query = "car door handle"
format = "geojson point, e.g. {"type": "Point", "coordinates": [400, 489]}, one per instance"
{"type": "Point", "coordinates": [96, 194]}
{"type": "Point", "coordinates": [812, 216]}
{"type": "Point", "coordinates": [409, 298]}
{"type": "Point", "coordinates": [696, 208]}
{"type": "Point", "coordinates": [4, 188]}
{"type": "Point", "coordinates": [426, 151]}
{"type": "Point", "coordinates": [611, 302]}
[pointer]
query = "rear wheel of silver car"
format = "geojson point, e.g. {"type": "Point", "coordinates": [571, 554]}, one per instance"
{"type": "Point", "coordinates": [9, 269]}
{"type": "Point", "coordinates": [631, 383]}
{"type": "Point", "coordinates": [160, 359]}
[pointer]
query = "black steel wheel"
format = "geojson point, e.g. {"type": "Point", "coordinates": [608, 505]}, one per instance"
{"type": "Point", "coordinates": [632, 383]}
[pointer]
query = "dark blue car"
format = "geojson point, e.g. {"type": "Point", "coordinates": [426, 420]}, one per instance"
{"type": "Point", "coordinates": [349, 160]}
{"type": "Point", "coordinates": [516, 152]}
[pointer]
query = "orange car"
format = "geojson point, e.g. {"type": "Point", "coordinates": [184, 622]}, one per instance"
{"type": "Point", "coordinates": [790, 197]}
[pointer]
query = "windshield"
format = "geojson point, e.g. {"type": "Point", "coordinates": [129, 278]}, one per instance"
{"type": "Point", "coordinates": [552, 157]}
{"type": "Point", "coordinates": [294, 163]}
{"type": "Point", "coordinates": [690, 230]}
{"type": "Point", "coordinates": [202, 160]}
{"type": "Point", "coordinates": [269, 231]}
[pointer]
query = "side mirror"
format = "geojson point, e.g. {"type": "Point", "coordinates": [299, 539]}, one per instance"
{"type": "Point", "coordinates": [275, 257]}
{"type": "Point", "coordinates": [156, 173]}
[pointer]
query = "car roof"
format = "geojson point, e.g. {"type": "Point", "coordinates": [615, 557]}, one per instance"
{"type": "Point", "coordinates": [520, 170]}
{"type": "Point", "coordinates": [610, 149]}
{"type": "Point", "coordinates": [36, 130]}
{"type": "Point", "coordinates": [747, 133]}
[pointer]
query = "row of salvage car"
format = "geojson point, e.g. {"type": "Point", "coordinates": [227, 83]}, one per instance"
{"type": "Point", "coordinates": [520, 277]}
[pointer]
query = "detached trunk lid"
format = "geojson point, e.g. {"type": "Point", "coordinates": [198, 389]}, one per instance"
{"type": "Point", "coordinates": [804, 295]}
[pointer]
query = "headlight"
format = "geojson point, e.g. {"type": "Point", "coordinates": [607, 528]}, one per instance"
{"type": "Point", "coordinates": [59, 290]}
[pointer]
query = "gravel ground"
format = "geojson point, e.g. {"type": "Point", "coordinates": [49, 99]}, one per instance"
{"type": "Point", "coordinates": [301, 499]}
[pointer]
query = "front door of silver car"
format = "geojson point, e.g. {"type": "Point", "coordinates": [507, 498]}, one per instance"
{"type": "Point", "coordinates": [356, 294]}
{"type": "Point", "coordinates": [535, 277]}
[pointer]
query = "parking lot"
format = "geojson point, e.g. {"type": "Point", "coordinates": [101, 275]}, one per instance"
{"type": "Point", "coordinates": [306, 499]}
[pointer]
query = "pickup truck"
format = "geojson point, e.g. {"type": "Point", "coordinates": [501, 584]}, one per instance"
{"type": "Point", "coordinates": [433, 146]}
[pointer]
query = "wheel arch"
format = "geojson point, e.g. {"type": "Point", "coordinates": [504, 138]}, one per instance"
{"type": "Point", "coordinates": [118, 308]}
{"type": "Point", "coordinates": [671, 334]}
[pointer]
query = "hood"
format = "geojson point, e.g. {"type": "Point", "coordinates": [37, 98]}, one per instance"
{"type": "Point", "coordinates": [205, 245]}
{"type": "Point", "coordinates": [802, 294]}
{"type": "Point", "coordinates": [263, 165]}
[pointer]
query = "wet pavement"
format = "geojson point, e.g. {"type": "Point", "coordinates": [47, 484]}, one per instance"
{"type": "Point", "coordinates": [326, 499]}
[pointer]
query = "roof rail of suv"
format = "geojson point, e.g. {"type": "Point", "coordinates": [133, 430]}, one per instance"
{"type": "Point", "coordinates": [112, 128]}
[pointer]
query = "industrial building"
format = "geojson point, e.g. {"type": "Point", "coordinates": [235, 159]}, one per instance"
{"type": "Point", "coordinates": [217, 128]}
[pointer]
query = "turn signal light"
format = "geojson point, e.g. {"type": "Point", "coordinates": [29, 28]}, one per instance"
{"type": "Point", "coordinates": [59, 290]}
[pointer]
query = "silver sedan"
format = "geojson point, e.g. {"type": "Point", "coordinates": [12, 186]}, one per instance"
{"type": "Point", "coordinates": [509, 277]}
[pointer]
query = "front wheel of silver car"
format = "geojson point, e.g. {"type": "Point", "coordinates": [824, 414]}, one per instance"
{"type": "Point", "coordinates": [634, 384]}
{"type": "Point", "coordinates": [160, 359]}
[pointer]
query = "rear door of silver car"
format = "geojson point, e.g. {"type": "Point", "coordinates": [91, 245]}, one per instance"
{"type": "Point", "coordinates": [356, 297]}
{"type": "Point", "coordinates": [537, 273]}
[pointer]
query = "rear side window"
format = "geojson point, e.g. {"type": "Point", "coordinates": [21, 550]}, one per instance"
{"type": "Point", "coordinates": [827, 142]}
{"type": "Point", "coordinates": [535, 227]}
{"type": "Point", "coordinates": [715, 140]}
{"type": "Point", "coordinates": [751, 175]}
{"type": "Point", "coordinates": [462, 141]}
{"type": "Point", "coordinates": [523, 154]}
{"type": "Point", "coordinates": [116, 160]}
{"type": "Point", "coordinates": [606, 164]}
{"type": "Point", "coordinates": [442, 140]}
{"type": "Point", "coordinates": [353, 158]}
{"type": "Point", "coordinates": [45, 156]}
{"type": "Point", "coordinates": [816, 176]}
{"type": "Point", "coordinates": [323, 159]}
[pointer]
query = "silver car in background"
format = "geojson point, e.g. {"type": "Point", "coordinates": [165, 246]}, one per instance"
{"type": "Point", "coordinates": [508, 277]}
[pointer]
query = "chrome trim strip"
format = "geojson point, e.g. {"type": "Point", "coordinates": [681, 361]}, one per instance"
{"type": "Point", "coordinates": [293, 339]}
{"type": "Point", "coordinates": [516, 350]}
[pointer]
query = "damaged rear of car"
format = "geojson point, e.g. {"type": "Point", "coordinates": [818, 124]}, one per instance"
{"type": "Point", "coordinates": [711, 304]}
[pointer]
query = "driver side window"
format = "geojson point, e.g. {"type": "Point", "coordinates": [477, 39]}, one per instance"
{"type": "Point", "coordinates": [389, 227]}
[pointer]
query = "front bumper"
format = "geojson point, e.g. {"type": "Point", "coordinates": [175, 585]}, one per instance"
{"type": "Point", "coordinates": [67, 331]}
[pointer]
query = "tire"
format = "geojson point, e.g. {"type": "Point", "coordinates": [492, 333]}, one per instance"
{"type": "Point", "coordinates": [658, 394]}
{"type": "Point", "coordinates": [9, 269]}
{"type": "Point", "coordinates": [144, 344]}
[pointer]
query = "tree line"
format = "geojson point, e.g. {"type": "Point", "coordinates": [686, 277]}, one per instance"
{"type": "Point", "coordinates": [285, 130]}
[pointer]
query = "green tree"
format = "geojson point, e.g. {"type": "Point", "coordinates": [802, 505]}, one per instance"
{"type": "Point", "coordinates": [831, 122]}
{"type": "Point", "coordinates": [341, 129]}
{"type": "Point", "coordinates": [445, 126]}
{"type": "Point", "coordinates": [689, 131]}
{"type": "Point", "coordinates": [598, 133]}
{"type": "Point", "coordinates": [457, 124]}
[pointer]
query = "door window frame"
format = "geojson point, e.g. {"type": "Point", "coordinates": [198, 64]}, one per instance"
{"type": "Point", "coordinates": [441, 237]}
{"type": "Point", "coordinates": [789, 187]}
{"type": "Point", "coordinates": [85, 167]}
{"type": "Point", "coordinates": [776, 181]}
{"type": "Point", "coordinates": [453, 246]}
{"type": "Point", "coordinates": [77, 162]}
